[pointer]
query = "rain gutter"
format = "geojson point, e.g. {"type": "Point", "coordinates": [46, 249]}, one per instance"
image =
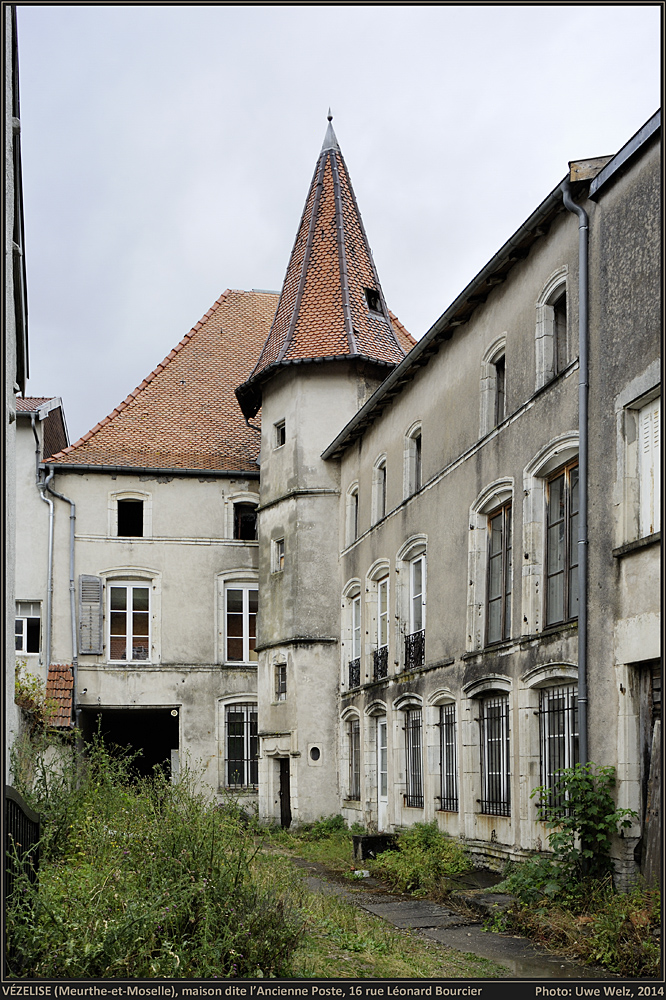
{"type": "Point", "coordinates": [583, 392]}
{"type": "Point", "coordinates": [513, 250]}
{"type": "Point", "coordinates": [135, 470]}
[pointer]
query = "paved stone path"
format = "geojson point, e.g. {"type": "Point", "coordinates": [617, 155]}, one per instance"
{"type": "Point", "coordinates": [460, 929]}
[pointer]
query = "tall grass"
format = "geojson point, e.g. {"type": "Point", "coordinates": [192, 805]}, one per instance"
{"type": "Point", "coordinates": [426, 857]}
{"type": "Point", "coordinates": [145, 879]}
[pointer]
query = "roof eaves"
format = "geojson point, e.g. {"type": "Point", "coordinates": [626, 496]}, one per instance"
{"type": "Point", "coordinates": [134, 470]}
{"type": "Point", "coordinates": [459, 312]}
{"type": "Point", "coordinates": [628, 151]}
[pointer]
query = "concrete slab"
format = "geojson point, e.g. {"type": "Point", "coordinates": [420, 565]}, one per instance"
{"type": "Point", "coordinates": [414, 913]}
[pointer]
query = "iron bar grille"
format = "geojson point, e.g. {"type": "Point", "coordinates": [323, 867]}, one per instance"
{"type": "Point", "coordinates": [448, 758]}
{"type": "Point", "coordinates": [558, 729]}
{"type": "Point", "coordinates": [242, 746]}
{"type": "Point", "coordinates": [21, 840]}
{"type": "Point", "coordinates": [495, 772]}
{"type": "Point", "coordinates": [414, 761]}
{"type": "Point", "coordinates": [355, 759]}
{"type": "Point", "coordinates": [355, 673]}
{"type": "Point", "coordinates": [380, 665]}
{"type": "Point", "coordinates": [415, 650]}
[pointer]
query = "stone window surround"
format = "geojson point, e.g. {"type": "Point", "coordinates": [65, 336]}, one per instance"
{"type": "Point", "coordinates": [135, 575]}
{"type": "Point", "coordinates": [351, 591]}
{"type": "Point", "coordinates": [242, 578]}
{"type": "Point", "coordinates": [379, 483]}
{"type": "Point", "coordinates": [380, 570]}
{"type": "Point", "coordinates": [414, 432]}
{"type": "Point", "coordinates": [246, 698]}
{"type": "Point", "coordinates": [469, 723]}
{"type": "Point", "coordinates": [230, 500]}
{"type": "Point", "coordinates": [350, 715]}
{"type": "Point", "coordinates": [352, 514]}
{"type": "Point", "coordinates": [546, 360]}
{"type": "Point", "coordinates": [640, 391]}
{"type": "Point", "coordinates": [492, 354]}
{"type": "Point", "coordinates": [494, 495]}
{"type": "Point", "coordinates": [117, 495]}
{"type": "Point", "coordinates": [412, 549]}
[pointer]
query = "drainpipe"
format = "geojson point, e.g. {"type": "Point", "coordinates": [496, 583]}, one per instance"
{"type": "Point", "coordinates": [42, 486]}
{"type": "Point", "coordinates": [571, 206]}
{"type": "Point", "coordinates": [72, 596]}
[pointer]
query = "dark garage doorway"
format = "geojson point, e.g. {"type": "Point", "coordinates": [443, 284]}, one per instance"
{"type": "Point", "coordinates": [152, 731]}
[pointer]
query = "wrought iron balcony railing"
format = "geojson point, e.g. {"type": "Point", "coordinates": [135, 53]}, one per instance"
{"type": "Point", "coordinates": [415, 650]}
{"type": "Point", "coordinates": [380, 665]}
{"type": "Point", "coordinates": [355, 673]}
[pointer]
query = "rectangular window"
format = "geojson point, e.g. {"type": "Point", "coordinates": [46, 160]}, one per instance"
{"type": "Point", "coordinates": [278, 555]}
{"type": "Point", "coordinates": [414, 759]}
{"type": "Point", "coordinates": [241, 619]}
{"type": "Point", "coordinates": [558, 730]}
{"type": "Point", "coordinates": [649, 461]}
{"type": "Point", "coordinates": [355, 662]}
{"type": "Point", "coordinates": [245, 522]}
{"type": "Point", "coordinates": [129, 622]}
{"type": "Point", "coordinates": [381, 491]}
{"type": "Point", "coordinates": [498, 617]}
{"type": "Point", "coordinates": [130, 518]}
{"type": "Point", "coordinates": [562, 546]}
{"type": "Point", "coordinates": [280, 434]}
{"type": "Point", "coordinates": [495, 770]}
{"type": "Point", "coordinates": [381, 652]}
{"type": "Point", "coordinates": [27, 627]}
{"type": "Point", "coordinates": [415, 640]}
{"type": "Point", "coordinates": [354, 737]}
{"type": "Point", "coordinates": [500, 389]}
{"type": "Point", "coordinates": [242, 743]}
{"type": "Point", "coordinates": [560, 353]}
{"type": "Point", "coordinates": [448, 758]}
{"type": "Point", "coordinates": [281, 682]}
{"type": "Point", "coordinates": [418, 468]}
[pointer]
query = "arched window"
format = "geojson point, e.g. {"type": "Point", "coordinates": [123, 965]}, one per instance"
{"type": "Point", "coordinates": [352, 514]}
{"type": "Point", "coordinates": [489, 599]}
{"type": "Point", "coordinates": [239, 744]}
{"type": "Point", "coordinates": [377, 604]}
{"type": "Point", "coordinates": [493, 386]}
{"type": "Point", "coordinates": [446, 725]}
{"type": "Point", "coordinates": [237, 608]}
{"type": "Point", "coordinates": [352, 648]}
{"type": "Point", "coordinates": [130, 514]}
{"type": "Point", "coordinates": [552, 348]}
{"type": "Point", "coordinates": [352, 752]}
{"type": "Point", "coordinates": [412, 713]}
{"type": "Point", "coordinates": [379, 489]}
{"type": "Point", "coordinates": [413, 460]}
{"type": "Point", "coordinates": [411, 561]}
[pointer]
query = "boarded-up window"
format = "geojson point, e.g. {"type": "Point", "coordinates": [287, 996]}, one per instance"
{"type": "Point", "coordinates": [90, 614]}
{"type": "Point", "coordinates": [649, 420]}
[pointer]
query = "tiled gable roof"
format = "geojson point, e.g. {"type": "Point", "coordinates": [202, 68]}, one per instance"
{"type": "Point", "coordinates": [184, 415]}
{"type": "Point", "coordinates": [324, 310]}
{"type": "Point", "coordinates": [30, 404]}
{"type": "Point", "coordinates": [59, 688]}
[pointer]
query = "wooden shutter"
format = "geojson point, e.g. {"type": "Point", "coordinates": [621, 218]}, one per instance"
{"type": "Point", "coordinates": [90, 614]}
{"type": "Point", "coordinates": [650, 487]}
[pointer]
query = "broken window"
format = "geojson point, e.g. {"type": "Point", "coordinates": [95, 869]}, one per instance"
{"type": "Point", "coordinates": [129, 622]}
{"type": "Point", "coordinates": [495, 769]}
{"type": "Point", "coordinates": [27, 627]}
{"type": "Point", "coordinates": [373, 299]}
{"type": "Point", "coordinates": [413, 758]}
{"type": "Point", "coordinates": [245, 522]}
{"type": "Point", "coordinates": [562, 546]}
{"type": "Point", "coordinates": [498, 617]}
{"type": "Point", "coordinates": [242, 746]}
{"type": "Point", "coordinates": [241, 619]}
{"type": "Point", "coordinates": [130, 518]}
{"type": "Point", "coordinates": [448, 759]}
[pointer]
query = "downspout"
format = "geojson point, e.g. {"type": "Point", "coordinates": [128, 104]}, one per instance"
{"type": "Point", "coordinates": [583, 288]}
{"type": "Point", "coordinates": [42, 486]}
{"type": "Point", "coordinates": [72, 596]}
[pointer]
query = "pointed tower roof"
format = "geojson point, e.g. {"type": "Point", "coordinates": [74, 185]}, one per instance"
{"type": "Point", "coordinates": [331, 305]}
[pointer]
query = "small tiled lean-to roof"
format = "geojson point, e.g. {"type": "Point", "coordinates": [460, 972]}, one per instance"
{"type": "Point", "coordinates": [184, 415]}
{"type": "Point", "coordinates": [30, 404]}
{"type": "Point", "coordinates": [59, 687]}
{"type": "Point", "coordinates": [331, 303]}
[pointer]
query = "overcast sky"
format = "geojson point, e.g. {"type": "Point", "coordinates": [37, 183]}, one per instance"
{"type": "Point", "coordinates": [167, 152]}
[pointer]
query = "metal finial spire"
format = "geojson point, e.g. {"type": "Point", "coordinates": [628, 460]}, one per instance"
{"type": "Point", "coordinates": [330, 140]}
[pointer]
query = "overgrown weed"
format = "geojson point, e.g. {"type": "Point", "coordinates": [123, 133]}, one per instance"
{"type": "Point", "coordinates": [424, 861]}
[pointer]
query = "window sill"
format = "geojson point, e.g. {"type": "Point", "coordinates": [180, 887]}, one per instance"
{"type": "Point", "coordinates": [640, 543]}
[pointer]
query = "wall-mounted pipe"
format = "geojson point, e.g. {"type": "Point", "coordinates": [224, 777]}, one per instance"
{"type": "Point", "coordinates": [72, 594]}
{"type": "Point", "coordinates": [42, 487]}
{"type": "Point", "coordinates": [583, 383]}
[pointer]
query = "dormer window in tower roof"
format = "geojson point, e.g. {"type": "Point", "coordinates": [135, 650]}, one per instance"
{"type": "Point", "coordinates": [373, 299]}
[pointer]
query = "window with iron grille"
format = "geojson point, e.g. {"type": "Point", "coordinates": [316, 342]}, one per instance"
{"type": "Point", "coordinates": [498, 617]}
{"type": "Point", "coordinates": [381, 652]}
{"type": "Point", "coordinates": [354, 737]}
{"type": "Point", "coordinates": [413, 758]}
{"type": "Point", "coordinates": [242, 745]}
{"type": "Point", "coordinates": [448, 758]}
{"type": "Point", "coordinates": [415, 641]}
{"type": "Point", "coordinates": [495, 769]}
{"type": "Point", "coordinates": [558, 729]}
{"type": "Point", "coordinates": [355, 662]}
{"type": "Point", "coordinates": [562, 546]}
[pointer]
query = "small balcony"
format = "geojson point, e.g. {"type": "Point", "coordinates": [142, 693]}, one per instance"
{"type": "Point", "coordinates": [415, 650]}
{"type": "Point", "coordinates": [380, 663]}
{"type": "Point", "coordinates": [355, 673]}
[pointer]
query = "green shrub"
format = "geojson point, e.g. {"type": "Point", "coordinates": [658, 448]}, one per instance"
{"type": "Point", "coordinates": [151, 880]}
{"type": "Point", "coordinates": [425, 858]}
{"type": "Point", "coordinates": [322, 828]}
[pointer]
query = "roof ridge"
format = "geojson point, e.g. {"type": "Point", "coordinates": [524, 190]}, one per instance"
{"type": "Point", "coordinates": [149, 378]}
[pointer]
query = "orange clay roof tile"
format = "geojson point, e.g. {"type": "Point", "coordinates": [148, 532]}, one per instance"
{"type": "Point", "coordinates": [184, 414]}
{"type": "Point", "coordinates": [59, 687]}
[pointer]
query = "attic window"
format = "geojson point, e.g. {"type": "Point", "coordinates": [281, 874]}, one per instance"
{"type": "Point", "coordinates": [130, 518]}
{"type": "Point", "coordinates": [245, 522]}
{"type": "Point", "coordinates": [373, 299]}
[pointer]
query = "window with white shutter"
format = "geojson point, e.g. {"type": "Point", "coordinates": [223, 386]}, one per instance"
{"type": "Point", "coordinates": [649, 432]}
{"type": "Point", "coordinates": [90, 615]}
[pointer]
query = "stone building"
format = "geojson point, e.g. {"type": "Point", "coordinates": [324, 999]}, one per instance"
{"type": "Point", "coordinates": [453, 590]}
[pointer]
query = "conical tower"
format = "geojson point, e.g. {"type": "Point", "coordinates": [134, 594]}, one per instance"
{"type": "Point", "coordinates": [330, 345]}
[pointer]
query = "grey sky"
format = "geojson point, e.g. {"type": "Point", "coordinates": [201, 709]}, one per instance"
{"type": "Point", "coordinates": [167, 153]}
